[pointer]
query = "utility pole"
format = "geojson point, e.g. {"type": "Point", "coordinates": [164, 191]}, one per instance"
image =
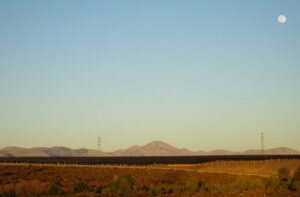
{"type": "Point", "coordinates": [99, 143]}
{"type": "Point", "coordinates": [262, 141]}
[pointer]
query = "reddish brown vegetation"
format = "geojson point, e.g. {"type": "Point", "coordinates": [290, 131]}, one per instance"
{"type": "Point", "coordinates": [47, 180]}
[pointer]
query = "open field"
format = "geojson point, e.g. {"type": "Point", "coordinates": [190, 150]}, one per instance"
{"type": "Point", "coordinates": [265, 168]}
{"type": "Point", "coordinates": [228, 178]}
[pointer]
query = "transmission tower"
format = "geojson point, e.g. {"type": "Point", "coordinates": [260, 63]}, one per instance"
{"type": "Point", "coordinates": [99, 143]}
{"type": "Point", "coordinates": [262, 141]}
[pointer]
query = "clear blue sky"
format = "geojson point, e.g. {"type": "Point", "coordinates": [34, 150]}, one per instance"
{"type": "Point", "coordinates": [197, 74]}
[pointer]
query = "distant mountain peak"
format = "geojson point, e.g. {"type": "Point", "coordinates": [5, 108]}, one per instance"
{"type": "Point", "coordinates": [159, 144]}
{"type": "Point", "coordinates": [156, 142]}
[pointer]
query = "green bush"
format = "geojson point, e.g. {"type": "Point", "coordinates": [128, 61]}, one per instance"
{"type": "Point", "coordinates": [53, 189]}
{"type": "Point", "coordinates": [81, 186]}
{"type": "Point", "coordinates": [123, 185]}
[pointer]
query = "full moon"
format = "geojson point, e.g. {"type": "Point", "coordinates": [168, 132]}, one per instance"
{"type": "Point", "coordinates": [282, 19]}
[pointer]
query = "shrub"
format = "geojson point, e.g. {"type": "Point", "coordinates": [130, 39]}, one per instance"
{"type": "Point", "coordinates": [8, 173]}
{"type": "Point", "coordinates": [171, 177]}
{"type": "Point", "coordinates": [11, 193]}
{"type": "Point", "coordinates": [106, 191]}
{"type": "Point", "coordinates": [153, 190]}
{"type": "Point", "coordinates": [296, 176]}
{"type": "Point", "coordinates": [295, 182]}
{"type": "Point", "coordinates": [165, 188]}
{"type": "Point", "coordinates": [100, 189]}
{"type": "Point", "coordinates": [53, 189]}
{"type": "Point", "coordinates": [161, 189]}
{"type": "Point", "coordinates": [294, 185]}
{"type": "Point", "coordinates": [246, 183]}
{"type": "Point", "coordinates": [202, 184]}
{"type": "Point", "coordinates": [283, 176]}
{"type": "Point", "coordinates": [143, 187]}
{"type": "Point", "coordinates": [272, 183]}
{"type": "Point", "coordinates": [216, 189]}
{"type": "Point", "coordinates": [81, 186]}
{"type": "Point", "coordinates": [193, 185]}
{"type": "Point", "coordinates": [123, 185]}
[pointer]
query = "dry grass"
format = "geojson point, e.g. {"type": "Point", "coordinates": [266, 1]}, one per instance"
{"type": "Point", "coordinates": [258, 168]}
{"type": "Point", "coordinates": [219, 179]}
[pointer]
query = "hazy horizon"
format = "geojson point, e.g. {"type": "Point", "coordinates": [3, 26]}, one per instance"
{"type": "Point", "coordinates": [153, 147]}
{"type": "Point", "coordinates": [201, 75]}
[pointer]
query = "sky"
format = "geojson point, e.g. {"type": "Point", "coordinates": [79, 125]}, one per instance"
{"type": "Point", "coordinates": [202, 75]}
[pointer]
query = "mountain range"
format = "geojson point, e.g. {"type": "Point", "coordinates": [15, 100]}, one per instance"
{"type": "Point", "coordinates": [155, 148]}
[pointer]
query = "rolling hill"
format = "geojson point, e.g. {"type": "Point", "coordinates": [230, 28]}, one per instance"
{"type": "Point", "coordinates": [155, 148]}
